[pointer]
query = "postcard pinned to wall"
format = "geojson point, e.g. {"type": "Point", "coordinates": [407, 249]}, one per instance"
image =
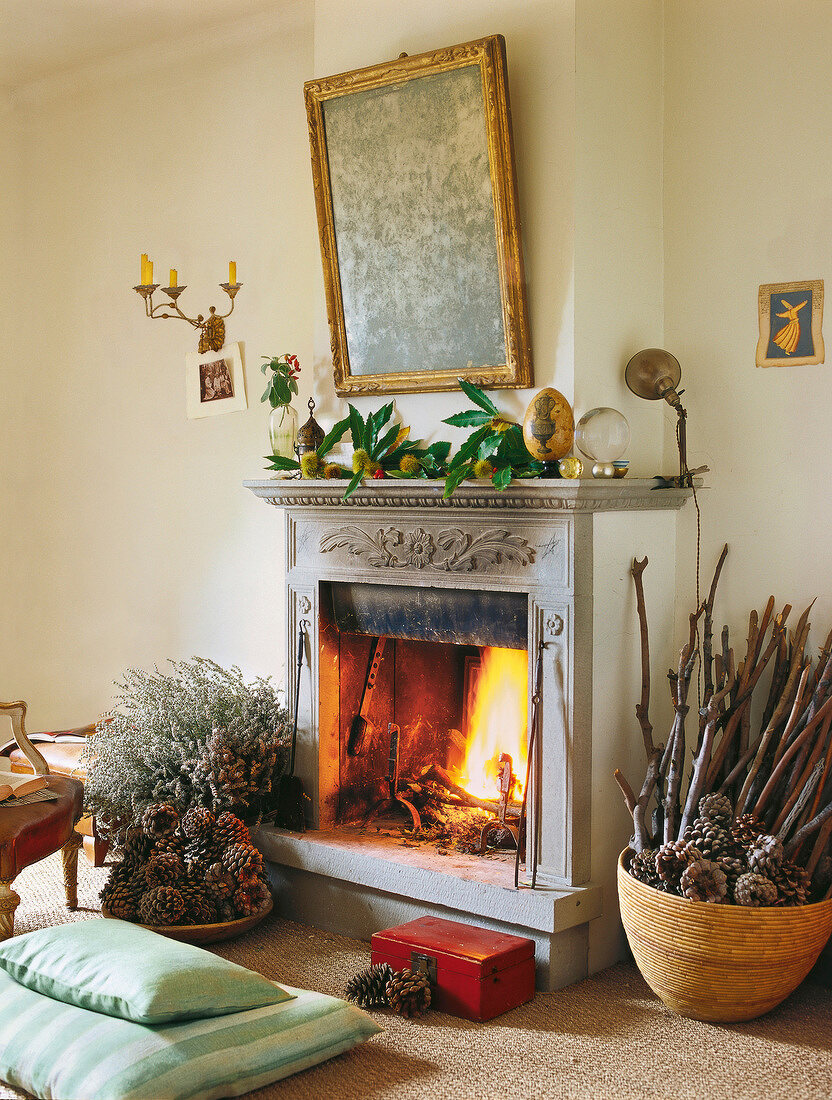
{"type": "Point", "coordinates": [214, 382]}
{"type": "Point", "coordinates": [791, 320]}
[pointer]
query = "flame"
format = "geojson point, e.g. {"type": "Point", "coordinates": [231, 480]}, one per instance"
{"type": "Point", "coordinates": [497, 722]}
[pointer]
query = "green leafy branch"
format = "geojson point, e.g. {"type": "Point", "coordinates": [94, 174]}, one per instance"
{"type": "Point", "coordinates": [283, 381]}
{"type": "Point", "coordinates": [495, 449]}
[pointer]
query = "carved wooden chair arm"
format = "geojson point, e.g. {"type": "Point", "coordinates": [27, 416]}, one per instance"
{"type": "Point", "coordinates": [17, 712]}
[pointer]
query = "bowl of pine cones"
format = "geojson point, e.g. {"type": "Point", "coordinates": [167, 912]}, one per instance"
{"type": "Point", "coordinates": [192, 876]}
{"type": "Point", "coordinates": [722, 925]}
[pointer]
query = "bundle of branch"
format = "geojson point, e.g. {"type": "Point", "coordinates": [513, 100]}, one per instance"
{"type": "Point", "coordinates": [758, 800]}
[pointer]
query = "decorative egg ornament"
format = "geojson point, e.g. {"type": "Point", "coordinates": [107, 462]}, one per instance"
{"type": "Point", "coordinates": [549, 429]}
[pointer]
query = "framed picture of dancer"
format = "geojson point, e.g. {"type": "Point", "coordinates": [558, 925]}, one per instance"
{"type": "Point", "coordinates": [791, 319]}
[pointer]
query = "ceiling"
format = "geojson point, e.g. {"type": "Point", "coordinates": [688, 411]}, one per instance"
{"type": "Point", "coordinates": [40, 38]}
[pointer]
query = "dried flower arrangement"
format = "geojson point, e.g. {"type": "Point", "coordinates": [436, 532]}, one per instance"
{"type": "Point", "coordinates": [172, 771]}
{"type": "Point", "coordinates": [753, 827]}
{"type": "Point", "coordinates": [197, 736]}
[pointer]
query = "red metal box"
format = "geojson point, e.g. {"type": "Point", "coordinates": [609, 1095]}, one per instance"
{"type": "Point", "coordinates": [475, 973]}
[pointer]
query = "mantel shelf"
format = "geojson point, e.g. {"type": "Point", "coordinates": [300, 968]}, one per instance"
{"type": "Point", "coordinates": [584, 495]}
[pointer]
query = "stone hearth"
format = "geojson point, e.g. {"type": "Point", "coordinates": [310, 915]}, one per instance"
{"type": "Point", "coordinates": [563, 550]}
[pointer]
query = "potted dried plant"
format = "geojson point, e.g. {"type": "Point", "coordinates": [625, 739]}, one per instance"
{"type": "Point", "coordinates": [726, 888]}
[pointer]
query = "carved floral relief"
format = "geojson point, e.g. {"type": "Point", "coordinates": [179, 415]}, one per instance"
{"type": "Point", "coordinates": [451, 549]}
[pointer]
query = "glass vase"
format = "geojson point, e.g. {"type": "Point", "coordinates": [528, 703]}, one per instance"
{"type": "Point", "coordinates": [283, 430]}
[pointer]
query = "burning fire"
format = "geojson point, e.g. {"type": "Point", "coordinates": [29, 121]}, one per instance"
{"type": "Point", "coordinates": [497, 722]}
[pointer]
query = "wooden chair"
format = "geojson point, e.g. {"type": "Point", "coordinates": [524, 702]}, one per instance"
{"type": "Point", "coordinates": [30, 832]}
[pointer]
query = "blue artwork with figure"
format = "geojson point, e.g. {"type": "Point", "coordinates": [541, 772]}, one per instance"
{"type": "Point", "coordinates": [790, 331]}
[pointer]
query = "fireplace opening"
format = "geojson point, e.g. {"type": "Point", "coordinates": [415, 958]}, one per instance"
{"type": "Point", "coordinates": [425, 693]}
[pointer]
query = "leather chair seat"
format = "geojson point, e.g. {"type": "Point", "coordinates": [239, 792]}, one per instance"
{"type": "Point", "coordinates": [61, 756]}
{"type": "Point", "coordinates": [30, 832]}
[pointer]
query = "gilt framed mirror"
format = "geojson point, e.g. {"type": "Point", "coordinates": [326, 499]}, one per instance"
{"type": "Point", "coordinates": [416, 196]}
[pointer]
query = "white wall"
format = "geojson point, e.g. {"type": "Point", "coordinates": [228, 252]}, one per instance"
{"type": "Point", "coordinates": [618, 213]}
{"type": "Point", "coordinates": [748, 200]}
{"type": "Point", "coordinates": [128, 538]}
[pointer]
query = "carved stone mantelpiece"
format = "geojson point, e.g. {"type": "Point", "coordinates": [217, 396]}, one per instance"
{"type": "Point", "coordinates": [629, 494]}
{"type": "Point", "coordinates": [564, 547]}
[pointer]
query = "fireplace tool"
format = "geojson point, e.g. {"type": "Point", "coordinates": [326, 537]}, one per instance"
{"type": "Point", "coordinates": [394, 798]}
{"type": "Point", "coordinates": [503, 820]}
{"type": "Point", "coordinates": [290, 792]}
{"type": "Point", "coordinates": [361, 730]}
{"type": "Point", "coordinates": [534, 738]}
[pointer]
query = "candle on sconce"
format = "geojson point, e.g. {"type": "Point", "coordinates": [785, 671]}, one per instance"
{"type": "Point", "coordinates": [144, 269]}
{"type": "Point", "coordinates": [149, 279]}
{"type": "Point", "coordinates": [173, 277]}
{"type": "Point", "coordinates": [232, 273]}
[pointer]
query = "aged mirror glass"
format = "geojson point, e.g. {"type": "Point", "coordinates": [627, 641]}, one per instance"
{"type": "Point", "coordinates": [416, 195]}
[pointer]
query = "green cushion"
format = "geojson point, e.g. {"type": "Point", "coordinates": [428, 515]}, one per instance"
{"type": "Point", "coordinates": [54, 1050]}
{"type": "Point", "coordinates": [123, 970]}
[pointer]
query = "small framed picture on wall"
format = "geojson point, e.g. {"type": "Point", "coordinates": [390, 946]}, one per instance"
{"type": "Point", "coordinates": [791, 321]}
{"type": "Point", "coordinates": [214, 382]}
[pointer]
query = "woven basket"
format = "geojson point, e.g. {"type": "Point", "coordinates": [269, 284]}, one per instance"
{"type": "Point", "coordinates": [719, 962]}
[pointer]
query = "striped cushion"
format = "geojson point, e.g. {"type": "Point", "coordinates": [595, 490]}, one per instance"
{"type": "Point", "coordinates": [59, 1052]}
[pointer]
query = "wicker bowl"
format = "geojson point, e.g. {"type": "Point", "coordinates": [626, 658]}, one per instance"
{"type": "Point", "coordinates": [204, 933]}
{"type": "Point", "coordinates": [721, 963]}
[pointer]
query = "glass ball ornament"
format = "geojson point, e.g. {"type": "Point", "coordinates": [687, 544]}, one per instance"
{"type": "Point", "coordinates": [603, 435]}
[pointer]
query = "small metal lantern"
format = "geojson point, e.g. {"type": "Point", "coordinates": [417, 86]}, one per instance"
{"type": "Point", "coordinates": [310, 434]}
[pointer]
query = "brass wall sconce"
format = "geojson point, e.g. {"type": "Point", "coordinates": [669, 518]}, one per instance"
{"type": "Point", "coordinates": [212, 328]}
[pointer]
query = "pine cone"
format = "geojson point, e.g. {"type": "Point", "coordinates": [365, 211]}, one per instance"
{"type": "Point", "coordinates": [754, 890]}
{"type": "Point", "coordinates": [369, 988]}
{"type": "Point", "coordinates": [746, 828]}
{"type": "Point", "coordinates": [243, 861]}
{"type": "Point", "coordinates": [198, 906]}
{"type": "Point", "coordinates": [122, 894]}
{"type": "Point", "coordinates": [160, 819]}
{"type": "Point", "coordinates": [717, 809]}
{"type": "Point", "coordinates": [162, 905]}
{"type": "Point", "coordinates": [174, 843]}
{"type": "Point", "coordinates": [702, 880]}
{"type": "Point", "coordinates": [197, 822]}
{"type": "Point", "coordinates": [164, 869]}
{"type": "Point", "coordinates": [220, 883]}
{"type": "Point", "coordinates": [710, 839]}
{"type": "Point", "coordinates": [671, 861]}
{"type": "Point", "coordinates": [230, 830]}
{"type": "Point", "coordinates": [793, 883]}
{"type": "Point", "coordinates": [732, 867]}
{"type": "Point", "coordinates": [137, 845]}
{"type": "Point", "coordinates": [408, 993]}
{"type": "Point", "coordinates": [643, 867]}
{"type": "Point", "coordinates": [765, 855]}
{"type": "Point", "coordinates": [251, 897]}
{"type": "Point", "coordinates": [199, 855]}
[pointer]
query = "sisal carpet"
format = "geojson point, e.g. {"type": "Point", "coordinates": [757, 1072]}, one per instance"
{"type": "Point", "coordinates": [603, 1039]}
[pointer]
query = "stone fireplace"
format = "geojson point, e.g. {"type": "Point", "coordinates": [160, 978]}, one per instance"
{"type": "Point", "coordinates": [427, 592]}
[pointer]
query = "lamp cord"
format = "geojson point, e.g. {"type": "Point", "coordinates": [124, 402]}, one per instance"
{"type": "Point", "coordinates": [686, 476]}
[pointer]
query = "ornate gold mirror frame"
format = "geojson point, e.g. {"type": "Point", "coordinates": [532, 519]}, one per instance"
{"type": "Point", "coordinates": [416, 195]}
